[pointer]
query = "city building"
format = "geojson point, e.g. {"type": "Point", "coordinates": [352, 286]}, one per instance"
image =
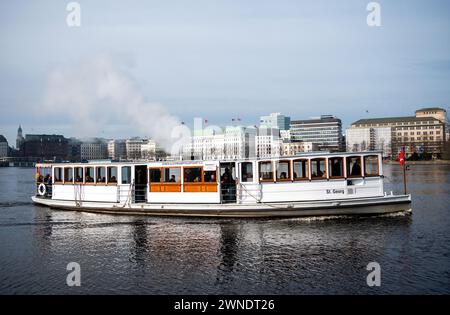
{"type": "Point", "coordinates": [438, 113]}
{"type": "Point", "coordinates": [294, 148]}
{"type": "Point", "coordinates": [44, 147]}
{"type": "Point", "coordinates": [239, 142]}
{"type": "Point", "coordinates": [285, 135]}
{"type": "Point", "coordinates": [422, 133]}
{"type": "Point", "coordinates": [74, 151]}
{"type": "Point", "coordinates": [4, 148]}
{"type": "Point", "coordinates": [325, 131]}
{"type": "Point", "coordinates": [134, 148]}
{"type": "Point", "coordinates": [94, 149]}
{"type": "Point", "coordinates": [148, 149]}
{"type": "Point", "coordinates": [373, 138]}
{"type": "Point", "coordinates": [234, 142]}
{"type": "Point", "coordinates": [435, 112]}
{"type": "Point", "coordinates": [117, 149]}
{"type": "Point", "coordinates": [268, 142]}
{"type": "Point", "coordinates": [275, 120]}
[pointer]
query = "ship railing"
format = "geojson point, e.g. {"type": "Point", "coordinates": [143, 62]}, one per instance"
{"type": "Point", "coordinates": [139, 193]}
{"type": "Point", "coordinates": [124, 193]}
{"type": "Point", "coordinates": [249, 191]}
{"type": "Point", "coordinates": [228, 193]}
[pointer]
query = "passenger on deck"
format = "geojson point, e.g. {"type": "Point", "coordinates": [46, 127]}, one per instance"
{"type": "Point", "coordinates": [336, 168]}
{"type": "Point", "coordinates": [356, 169]}
{"type": "Point", "coordinates": [187, 175]}
{"type": "Point", "coordinates": [227, 178]}
{"type": "Point", "coordinates": [113, 179]}
{"type": "Point", "coordinates": [228, 189]}
{"type": "Point", "coordinates": [283, 175]}
{"type": "Point", "coordinates": [172, 179]}
{"type": "Point", "coordinates": [47, 179]}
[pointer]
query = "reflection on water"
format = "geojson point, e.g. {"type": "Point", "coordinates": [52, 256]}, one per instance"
{"type": "Point", "coordinates": [137, 254]}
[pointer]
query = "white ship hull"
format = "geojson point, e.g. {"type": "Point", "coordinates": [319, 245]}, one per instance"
{"type": "Point", "coordinates": [310, 185]}
{"type": "Point", "coordinates": [356, 206]}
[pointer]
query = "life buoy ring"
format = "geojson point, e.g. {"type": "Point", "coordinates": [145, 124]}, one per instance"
{"type": "Point", "coordinates": [42, 189]}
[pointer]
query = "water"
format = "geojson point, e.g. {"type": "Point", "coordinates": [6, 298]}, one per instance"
{"type": "Point", "coordinates": [147, 255]}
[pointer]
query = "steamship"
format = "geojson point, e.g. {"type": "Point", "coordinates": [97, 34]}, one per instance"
{"type": "Point", "coordinates": [306, 185]}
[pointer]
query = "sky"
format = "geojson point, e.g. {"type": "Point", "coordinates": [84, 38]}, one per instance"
{"type": "Point", "coordinates": [176, 60]}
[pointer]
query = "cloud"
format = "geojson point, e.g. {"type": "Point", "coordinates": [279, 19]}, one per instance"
{"type": "Point", "coordinates": [98, 92]}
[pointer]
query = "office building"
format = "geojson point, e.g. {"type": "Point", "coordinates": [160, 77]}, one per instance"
{"type": "Point", "coordinates": [148, 149]}
{"type": "Point", "coordinates": [374, 138]}
{"type": "Point", "coordinates": [275, 120]}
{"type": "Point", "coordinates": [94, 149]}
{"type": "Point", "coordinates": [117, 149]}
{"type": "Point", "coordinates": [422, 133]}
{"type": "Point", "coordinates": [44, 147]}
{"type": "Point", "coordinates": [325, 131]}
{"type": "Point", "coordinates": [134, 148]}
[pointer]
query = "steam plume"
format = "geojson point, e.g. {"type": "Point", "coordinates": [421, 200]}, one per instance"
{"type": "Point", "coordinates": [95, 93]}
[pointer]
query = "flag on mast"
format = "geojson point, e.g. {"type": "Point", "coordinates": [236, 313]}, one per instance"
{"type": "Point", "coordinates": [401, 157]}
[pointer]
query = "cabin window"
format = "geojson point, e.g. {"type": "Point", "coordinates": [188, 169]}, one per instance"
{"type": "Point", "coordinates": [336, 167]}
{"type": "Point", "coordinates": [247, 172]}
{"type": "Point", "coordinates": [112, 175]}
{"type": "Point", "coordinates": [192, 174]}
{"type": "Point", "coordinates": [371, 165]}
{"type": "Point", "coordinates": [89, 174]}
{"type": "Point", "coordinates": [354, 166]}
{"type": "Point", "coordinates": [301, 169]}
{"type": "Point", "coordinates": [172, 175]}
{"type": "Point", "coordinates": [101, 175]}
{"type": "Point", "coordinates": [68, 175]}
{"type": "Point", "coordinates": [126, 174]}
{"type": "Point", "coordinates": [283, 170]}
{"type": "Point", "coordinates": [210, 176]}
{"type": "Point", "coordinates": [78, 174]}
{"type": "Point", "coordinates": [266, 171]}
{"type": "Point", "coordinates": [155, 175]}
{"type": "Point", "coordinates": [318, 169]}
{"type": "Point", "coordinates": [58, 175]}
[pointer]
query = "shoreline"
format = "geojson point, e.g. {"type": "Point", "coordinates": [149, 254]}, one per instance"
{"type": "Point", "coordinates": [431, 162]}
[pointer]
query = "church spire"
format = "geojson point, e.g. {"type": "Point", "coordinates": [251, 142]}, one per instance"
{"type": "Point", "coordinates": [19, 139]}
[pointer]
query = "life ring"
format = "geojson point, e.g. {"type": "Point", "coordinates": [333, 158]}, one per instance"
{"type": "Point", "coordinates": [42, 189]}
